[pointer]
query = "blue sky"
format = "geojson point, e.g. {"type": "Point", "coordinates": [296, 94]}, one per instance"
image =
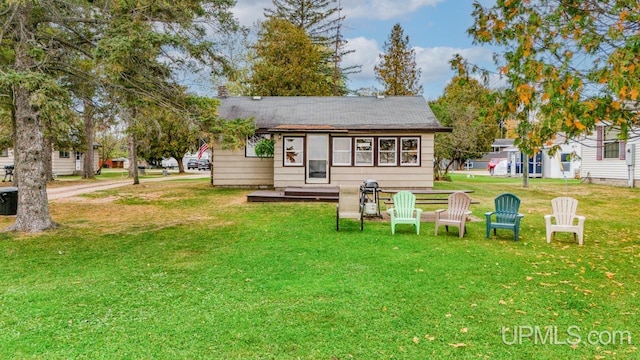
{"type": "Point", "coordinates": [437, 30]}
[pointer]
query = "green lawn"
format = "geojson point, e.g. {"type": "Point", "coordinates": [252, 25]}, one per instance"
{"type": "Point", "coordinates": [178, 270]}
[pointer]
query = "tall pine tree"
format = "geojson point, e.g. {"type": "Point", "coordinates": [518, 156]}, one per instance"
{"type": "Point", "coordinates": [322, 22]}
{"type": "Point", "coordinates": [288, 63]}
{"type": "Point", "coordinates": [397, 70]}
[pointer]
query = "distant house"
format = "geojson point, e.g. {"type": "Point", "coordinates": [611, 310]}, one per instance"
{"type": "Point", "coordinates": [565, 163]}
{"type": "Point", "coordinates": [500, 149]}
{"type": "Point", "coordinates": [63, 162]}
{"type": "Point", "coordinates": [322, 141]}
{"type": "Point", "coordinates": [608, 160]}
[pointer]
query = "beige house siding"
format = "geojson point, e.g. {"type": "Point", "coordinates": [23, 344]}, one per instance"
{"type": "Point", "coordinates": [233, 169]}
{"type": "Point", "coordinates": [63, 166]}
{"type": "Point", "coordinates": [418, 177]}
{"type": "Point", "coordinates": [393, 176]}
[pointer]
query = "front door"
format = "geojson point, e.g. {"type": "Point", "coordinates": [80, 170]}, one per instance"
{"type": "Point", "coordinates": [78, 161]}
{"type": "Point", "coordinates": [317, 159]}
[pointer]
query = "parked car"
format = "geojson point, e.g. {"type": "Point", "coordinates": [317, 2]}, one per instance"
{"type": "Point", "coordinates": [192, 164]}
{"type": "Point", "coordinates": [204, 164]}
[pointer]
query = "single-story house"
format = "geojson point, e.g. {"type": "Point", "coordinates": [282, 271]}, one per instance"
{"type": "Point", "coordinates": [63, 162]}
{"type": "Point", "coordinates": [329, 141]}
{"type": "Point", "coordinates": [609, 160]}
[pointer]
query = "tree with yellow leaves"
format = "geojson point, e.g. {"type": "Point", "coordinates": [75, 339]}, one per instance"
{"type": "Point", "coordinates": [570, 64]}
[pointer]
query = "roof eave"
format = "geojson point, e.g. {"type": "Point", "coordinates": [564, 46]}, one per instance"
{"type": "Point", "coordinates": [329, 129]}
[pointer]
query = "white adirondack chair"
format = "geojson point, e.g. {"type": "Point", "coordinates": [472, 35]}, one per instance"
{"type": "Point", "coordinates": [456, 214]}
{"type": "Point", "coordinates": [564, 213]}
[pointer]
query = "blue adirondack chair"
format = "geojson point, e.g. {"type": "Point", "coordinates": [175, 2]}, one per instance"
{"type": "Point", "coordinates": [506, 215]}
{"type": "Point", "coordinates": [404, 211]}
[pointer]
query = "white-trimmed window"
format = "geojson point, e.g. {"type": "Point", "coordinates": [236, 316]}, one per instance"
{"type": "Point", "coordinates": [409, 151]}
{"type": "Point", "coordinates": [64, 155]}
{"type": "Point", "coordinates": [611, 144]}
{"type": "Point", "coordinates": [250, 145]}
{"type": "Point", "coordinates": [387, 151]}
{"type": "Point", "coordinates": [293, 151]}
{"type": "Point", "coordinates": [4, 153]}
{"type": "Point", "coordinates": [364, 151]}
{"type": "Point", "coordinates": [341, 151]}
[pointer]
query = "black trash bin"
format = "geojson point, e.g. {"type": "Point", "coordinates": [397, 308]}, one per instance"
{"type": "Point", "coordinates": [8, 200]}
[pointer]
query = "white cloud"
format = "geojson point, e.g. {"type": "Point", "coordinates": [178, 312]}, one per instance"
{"type": "Point", "coordinates": [433, 62]}
{"type": "Point", "coordinates": [383, 9]}
{"type": "Point", "coordinates": [248, 11]}
{"type": "Point", "coordinates": [366, 54]}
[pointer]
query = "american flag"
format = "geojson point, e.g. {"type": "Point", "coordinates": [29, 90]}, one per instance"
{"type": "Point", "coordinates": [203, 149]}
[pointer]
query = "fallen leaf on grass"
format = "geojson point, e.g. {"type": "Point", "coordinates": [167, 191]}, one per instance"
{"type": "Point", "coordinates": [610, 275]}
{"type": "Point", "coordinates": [448, 315]}
{"type": "Point", "coordinates": [464, 330]}
{"type": "Point", "coordinates": [502, 302]}
{"type": "Point", "coordinates": [429, 337]}
{"type": "Point", "coordinates": [529, 278]}
{"type": "Point", "coordinates": [416, 340]}
{"type": "Point", "coordinates": [520, 312]}
{"type": "Point", "coordinates": [458, 345]}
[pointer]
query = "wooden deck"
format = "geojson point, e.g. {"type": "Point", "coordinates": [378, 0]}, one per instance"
{"type": "Point", "coordinates": [296, 194]}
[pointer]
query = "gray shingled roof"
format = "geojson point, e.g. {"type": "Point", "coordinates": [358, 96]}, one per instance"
{"type": "Point", "coordinates": [333, 113]}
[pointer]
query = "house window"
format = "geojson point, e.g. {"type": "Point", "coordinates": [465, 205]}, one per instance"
{"type": "Point", "coordinates": [64, 155]}
{"type": "Point", "coordinates": [252, 140]}
{"type": "Point", "coordinates": [387, 151]}
{"type": "Point", "coordinates": [341, 151]}
{"type": "Point", "coordinates": [293, 151]}
{"type": "Point", "coordinates": [565, 162]}
{"type": "Point", "coordinates": [611, 144]}
{"type": "Point", "coordinates": [364, 152]}
{"type": "Point", "coordinates": [4, 153]}
{"type": "Point", "coordinates": [409, 151]}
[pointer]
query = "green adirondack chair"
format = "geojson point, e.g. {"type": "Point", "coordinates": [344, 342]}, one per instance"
{"type": "Point", "coordinates": [404, 211]}
{"type": "Point", "coordinates": [506, 215]}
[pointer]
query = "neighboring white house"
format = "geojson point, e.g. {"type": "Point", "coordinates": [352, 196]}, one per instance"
{"type": "Point", "coordinates": [608, 160]}
{"type": "Point", "coordinates": [565, 163]}
{"type": "Point", "coordinates": [63, 162]}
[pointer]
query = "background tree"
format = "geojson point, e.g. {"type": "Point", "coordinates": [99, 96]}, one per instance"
{"type": "Point", "coordinates": [112, 144]}
{"type": "Point", "coordinates": [397, 70]}
{"type": "Point", "coordinates": [322, 21]}
{"type": "Point", "coordinates": [167, 134]}
{"type": "Point", "coordinates": [469, 109]}
{"type": "Point", "coordinates": [238, 49]}
{"type": "Point", "coordinates": [33, 31]}
{"type": "Point", "coordinates": [569, 64]}
{"type": "Point", "coordinates": [288, 63]}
